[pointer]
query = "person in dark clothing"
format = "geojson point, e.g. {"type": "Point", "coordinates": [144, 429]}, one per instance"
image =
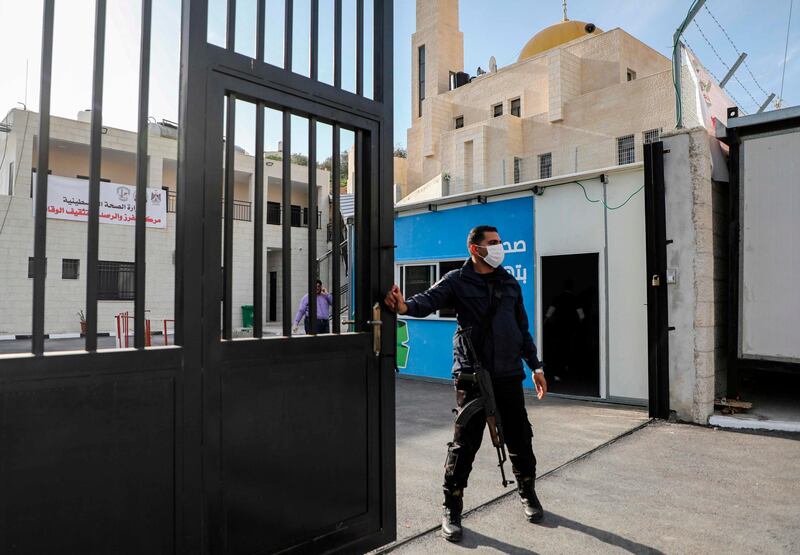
{"type": "Point", "coordinates": [488, 302]}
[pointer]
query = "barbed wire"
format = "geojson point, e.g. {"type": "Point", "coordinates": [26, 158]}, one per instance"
{"type": "Point", "coordinates": [729, 93]}
{"type": "Point", "coordinates": [727, 67]}
{"type": "Point", "coordinates": [738, 52]}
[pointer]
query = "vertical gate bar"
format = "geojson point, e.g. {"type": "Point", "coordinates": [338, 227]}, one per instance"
{"type": "Point", "coordinates": [360, 272]}
{"type": "Point", "coordinates": [337, 44]}
{"type": "Point", "coordinates": [95, 158]}
{"type": "Point", "coordinates": [287, 35]}
{"type": "Point", "coordinates": [383, 93]}
{"type": "Point", "coordinates": [230, 37]}
{"type": "Point", "coordinates": [260, 29]}
{"type": "Point", "coordinates": [40, 229]}
{"type": "Point", "coordinates": [141, 175]}
{"type": "Point", "coordinates": [194, 277]}
{"type": "Point", "coordinates": [360, 47]}
{"type": "Point", "coordinates": [286, 224]}
{"type": "Point", "coordinates": [312, 224]}
{"type": "Point", "coordinates": [258, 228]}
{"type": "Point", "coordinates": [336, 242]}
{"type": "Point", "coordinates": [230, 155]}
{"type": "Point", "coordinates": [314, 46]}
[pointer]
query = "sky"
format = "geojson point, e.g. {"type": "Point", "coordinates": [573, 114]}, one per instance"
{"type": "Point", "coordinates": [499, 28]}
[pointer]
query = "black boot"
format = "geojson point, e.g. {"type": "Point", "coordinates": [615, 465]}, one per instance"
{"type": "Point", "coordinates": [451, 514]}
{"type": "Point", "coordinates": [527, 494]}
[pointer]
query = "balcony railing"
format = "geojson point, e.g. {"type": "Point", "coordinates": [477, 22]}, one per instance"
{"type": "Point", "coordinates": [242, 211]}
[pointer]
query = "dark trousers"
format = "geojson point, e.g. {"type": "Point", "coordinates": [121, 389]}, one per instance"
{"type": "Point", "coordinates": [467, 438]}
{"type": "Point", "coordinates": [323, 326]}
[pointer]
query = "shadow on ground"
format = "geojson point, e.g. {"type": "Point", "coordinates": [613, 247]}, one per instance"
{"type": "Point", "coordinates": [563, 430]}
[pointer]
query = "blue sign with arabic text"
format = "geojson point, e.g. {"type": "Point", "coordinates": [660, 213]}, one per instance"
{"type": "Point", "coordinates": [439, 236]}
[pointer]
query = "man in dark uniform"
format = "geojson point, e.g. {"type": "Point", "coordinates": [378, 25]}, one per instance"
{"type": "Point", "coordinates": [488, 303]}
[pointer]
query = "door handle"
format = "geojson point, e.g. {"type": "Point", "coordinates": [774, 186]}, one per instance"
{"type": "Point", "coordinates": [376, 323]}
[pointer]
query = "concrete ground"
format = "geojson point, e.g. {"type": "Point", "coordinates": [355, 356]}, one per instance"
{"type": "Point", "coordinates": [666, 488]}
{"type": "Point", "coordinates": [563, 429]}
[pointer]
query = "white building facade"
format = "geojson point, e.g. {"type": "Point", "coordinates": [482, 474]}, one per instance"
{"type": "Point", "coordinates": [66, 240]}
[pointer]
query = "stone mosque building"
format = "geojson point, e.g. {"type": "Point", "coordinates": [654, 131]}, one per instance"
{"type": "Point", "coordinates": [577, 98]}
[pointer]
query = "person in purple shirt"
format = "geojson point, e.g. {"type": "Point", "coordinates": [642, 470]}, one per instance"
{"type": "Point", "coordinates": [324, 303]}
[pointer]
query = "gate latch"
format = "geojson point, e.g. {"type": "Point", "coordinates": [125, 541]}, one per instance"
{"type": "Point", "coordinates": [376, 323]}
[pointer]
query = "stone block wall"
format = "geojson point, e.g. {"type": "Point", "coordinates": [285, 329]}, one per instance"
{"type": "Point", "coordinates": [698, 301]}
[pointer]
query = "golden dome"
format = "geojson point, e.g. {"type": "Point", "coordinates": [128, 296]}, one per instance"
{"type": "Point", "coordinates": [555, 35]}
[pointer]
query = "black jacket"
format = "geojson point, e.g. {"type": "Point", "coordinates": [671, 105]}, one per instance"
{"type": "Point", "coordinates": [501, 346]}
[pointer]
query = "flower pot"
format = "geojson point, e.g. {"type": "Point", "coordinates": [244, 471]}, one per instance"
{"type": "Point", "coordinates": [83, 328]}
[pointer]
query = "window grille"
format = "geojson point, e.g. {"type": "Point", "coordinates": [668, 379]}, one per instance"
{"type": "Point", "coordinates": [70, 268]}
{"type": "Point", "coordinates": [625, 150]}
{"type": "Point", "coordinates": [651, 136]}
{"type": "Point", "coordinates": [545, 165]}
{"type": "Point", "coordinates": [31, 266]}
{"type": "Point", "coordinates": [116, 281]}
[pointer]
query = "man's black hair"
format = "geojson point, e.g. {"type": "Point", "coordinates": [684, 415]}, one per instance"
{"type": "Point", "coordinates": [476, 234]}
{"type": "Point", "coordinates": [319, 282]}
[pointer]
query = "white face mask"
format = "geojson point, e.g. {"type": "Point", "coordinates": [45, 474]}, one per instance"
{"type": "Point", "coordinates": [494, 255]}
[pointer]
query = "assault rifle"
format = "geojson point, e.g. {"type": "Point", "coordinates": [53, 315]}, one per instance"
{"type": "Point", "coordinates": [484, 402]}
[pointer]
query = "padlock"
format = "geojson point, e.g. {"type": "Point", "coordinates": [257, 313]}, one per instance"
{"type": "Point", "coordinates": [656, 281]}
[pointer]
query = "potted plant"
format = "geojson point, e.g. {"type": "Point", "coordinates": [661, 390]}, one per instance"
{"type": "Point", "coordinates": [82, 319]}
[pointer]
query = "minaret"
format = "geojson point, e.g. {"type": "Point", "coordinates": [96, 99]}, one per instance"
{"type": "Point", "coordinates": [438, 46]}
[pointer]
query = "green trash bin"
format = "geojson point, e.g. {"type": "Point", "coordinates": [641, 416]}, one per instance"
{"type": "Point", "coordinates": [247, 316]}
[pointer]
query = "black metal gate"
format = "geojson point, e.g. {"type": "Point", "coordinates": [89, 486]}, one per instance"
{"type": "Point", "coordinates": [218, 445]}
{"type": "Point", "coordinates": [657, 308]}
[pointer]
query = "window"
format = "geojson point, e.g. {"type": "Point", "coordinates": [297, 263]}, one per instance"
{"type": "Point", "coordinates": [651, 136]}
{"type": "Point", "coordinates": [453, 80]}
{"type": "Point", "coordinates": [420, 277]}
{"type": "Point", "coordinates": [30, 267]}
{"type": "Point", "coordinates": [116, 281]}
{"type": "Point", "coordinates": [421, 77]}
{"type": "Point", "coordinates": [274, 213]}
{"type": "Point", "coordinates": [70, 268]}
{"type": "Point", "coordinates": [546, 165]}
{"type": "Point", "coordinates": [625, 152]}
{"type": "Point", "coordinates": [10, 178]}
{"type": "Point", "coordinates": [516, 107]}
{"type": "Point", "coordinates": [517, 169]}
{"type": "Point", "coordinates": [497, 110]}
{"type": "Point", "coordinates": [416, 279]}
{"type": "Point", "coordinates": [631, 74]}
{"type": "Point", "coordinates": [459, 122]}
{"type": "Point", "coordinates": [445, 267]}
{"type": "Point", "coordinates": [305, 218]}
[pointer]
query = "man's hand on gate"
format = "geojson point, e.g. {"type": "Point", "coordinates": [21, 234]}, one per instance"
{"type": "Point", "coordinates": [541, 385]}
{"type": "Point", "coordinates": [395, 301]}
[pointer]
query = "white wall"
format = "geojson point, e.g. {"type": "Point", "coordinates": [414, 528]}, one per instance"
{"type": "Point", "coordinates": [769, 256]}
{"type": "Point", "coordinates": [566, 223]}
